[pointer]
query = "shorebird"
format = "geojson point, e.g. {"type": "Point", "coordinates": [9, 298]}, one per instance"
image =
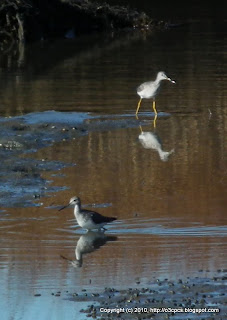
{"type": "Point", "coordinates": [150, 89]}
{"type": "Point", "coordinates": [87, 219]}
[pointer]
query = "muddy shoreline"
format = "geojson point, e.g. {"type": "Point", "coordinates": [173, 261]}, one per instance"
{"type": "Point", "coordinates": [191, 298]}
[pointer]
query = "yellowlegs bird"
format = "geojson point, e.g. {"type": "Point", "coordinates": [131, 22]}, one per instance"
{"type": "Point", "coordinates": [150, 89]}
{"type": "Point", "coordinates": [87, 219]}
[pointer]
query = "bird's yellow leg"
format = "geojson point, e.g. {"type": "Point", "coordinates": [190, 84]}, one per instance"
{"type": "Point", "coordinates": [155, 118]}
{"type": "Point", "coordinates": [137, 110]}
{"type": "Point", "coordinates": [155, 111]}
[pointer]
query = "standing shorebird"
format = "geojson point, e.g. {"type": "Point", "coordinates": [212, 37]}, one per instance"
{"type": "Point", "coordinates": [87, 219]}
{"type": "Point", "coordinates": [150, 89]}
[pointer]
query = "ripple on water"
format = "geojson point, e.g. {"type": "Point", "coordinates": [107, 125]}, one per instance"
{"type": "Point", "coordinates": [159, 227]}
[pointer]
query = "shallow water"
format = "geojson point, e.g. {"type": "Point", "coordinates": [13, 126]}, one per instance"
{"type": "Point", "coordinates": [171, 214]}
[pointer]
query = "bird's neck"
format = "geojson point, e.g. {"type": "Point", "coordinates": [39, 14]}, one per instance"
{"type": "Point", "coordinates": [157, 80]}
{"type": "Point", "coordinates": [77, 209]}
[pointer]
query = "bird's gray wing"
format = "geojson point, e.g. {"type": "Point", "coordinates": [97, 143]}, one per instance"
{"type": "Point", "coordinates": [140, 88]}
{"type": "Point", "coordinates": [96, 217]}
{"type": "Point", "coordinates": [144, 86]}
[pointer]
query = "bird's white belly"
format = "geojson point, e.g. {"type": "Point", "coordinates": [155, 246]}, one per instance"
{"type": "Point", "coordinates": [148, 92]}
{"type": "Point", "coordinates": [87, 223]}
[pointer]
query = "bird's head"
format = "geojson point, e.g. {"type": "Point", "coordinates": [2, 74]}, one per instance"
{"type": "Point", "coordinates": [72, 202]}
{"type": "Point", "coordinates": [162, 76]}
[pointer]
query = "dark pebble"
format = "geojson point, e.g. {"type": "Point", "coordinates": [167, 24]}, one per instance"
{"type": "Point", "coordinates": [172, 292]}
{"type": "Point", "coordinates": [171, 284]}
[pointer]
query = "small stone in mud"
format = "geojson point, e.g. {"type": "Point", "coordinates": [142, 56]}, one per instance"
{"type": "Point", "coordinates": [95, 294]}
{"type": "Point", "coordinates": [19, 127]}
{"type": "Point", "coordinates": [171, 284]}
{"type": "Point", "coordinates": [36, 196]}
{"type": "Point", "coordinates": [172, 292]}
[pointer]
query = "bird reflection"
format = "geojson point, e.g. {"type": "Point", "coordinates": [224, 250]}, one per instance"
{"type": "Point", "coordinates": [151, 140]}
{"type": "Point", "coordinates": [88, 243]}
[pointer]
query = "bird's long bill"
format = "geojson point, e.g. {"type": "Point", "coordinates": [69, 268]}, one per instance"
{"type": "Point", "coordinates": [171, 80]}
{"type": "Point", "coordinates": [63, 207]}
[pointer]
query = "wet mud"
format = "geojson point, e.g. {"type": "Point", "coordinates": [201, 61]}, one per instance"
{"type": "Point", "coordinates": [193, 298]}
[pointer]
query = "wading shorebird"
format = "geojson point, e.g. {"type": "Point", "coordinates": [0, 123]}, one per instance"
{"type": "Point", "coordinates": [150, 89]}
{"type": "Point", "coordinates": [87, 219]}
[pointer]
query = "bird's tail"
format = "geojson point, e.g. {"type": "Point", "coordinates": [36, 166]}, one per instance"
{"type": "Point", "coordinates": [110, 219]}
